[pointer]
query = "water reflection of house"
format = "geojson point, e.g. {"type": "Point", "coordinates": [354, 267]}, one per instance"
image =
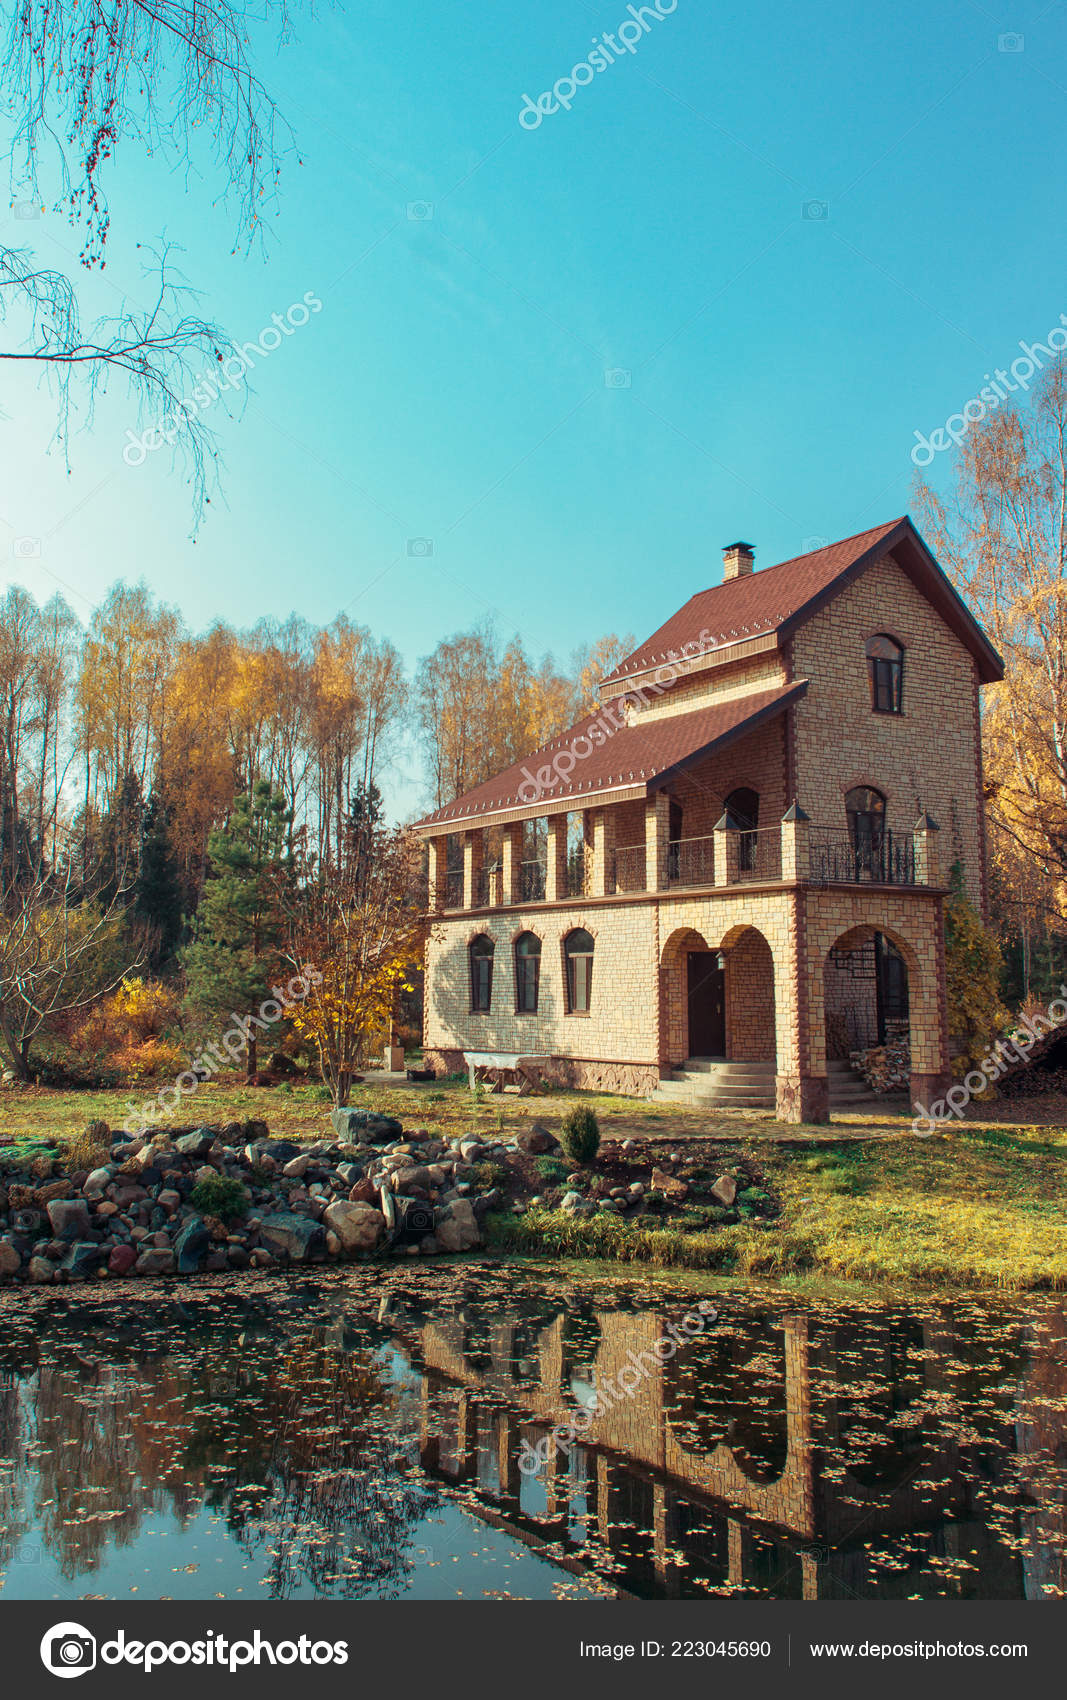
{"type": "Point", "coordinates": [767, 1456]}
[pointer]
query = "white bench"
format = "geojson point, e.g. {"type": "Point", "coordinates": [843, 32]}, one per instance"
{"type": "Point", "coordinates": [494, 1065]}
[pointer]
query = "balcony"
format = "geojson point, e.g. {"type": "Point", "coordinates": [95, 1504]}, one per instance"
{"type": "Point", "coordinates": [834, 859]}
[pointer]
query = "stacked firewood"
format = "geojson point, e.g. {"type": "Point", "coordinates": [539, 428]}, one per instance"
{"type": "Point", "coordinates": [885, 1068]}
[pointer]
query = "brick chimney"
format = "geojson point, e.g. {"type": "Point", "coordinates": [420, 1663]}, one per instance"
{"type": "Point", "coordinates": [738, 560]}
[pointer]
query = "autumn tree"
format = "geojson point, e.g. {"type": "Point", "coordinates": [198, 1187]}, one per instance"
{"type": "Point", "coordinates": [360, 922]}
{"type": "Point", "coordinates": [236, 953]}
{"type": "Point", "coordinates": [1001, 533]}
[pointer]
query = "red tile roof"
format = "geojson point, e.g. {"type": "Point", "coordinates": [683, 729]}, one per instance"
{"type": "Point", "coordinates": [630, 759]}
{"type": "Point", "coordinates": [776, 599]}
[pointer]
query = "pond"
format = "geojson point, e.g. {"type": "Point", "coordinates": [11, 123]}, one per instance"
{"type": "Point", "coordinates": [495, 1432]}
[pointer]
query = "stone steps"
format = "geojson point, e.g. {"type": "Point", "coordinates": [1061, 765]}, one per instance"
{"type": "Point", "coordinates": [708, 1083]}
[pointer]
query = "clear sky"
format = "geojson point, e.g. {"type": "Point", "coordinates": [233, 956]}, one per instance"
{"type": "Point", "coordinates": [715, 299]}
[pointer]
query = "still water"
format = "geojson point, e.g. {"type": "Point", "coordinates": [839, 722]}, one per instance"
{"type": "Point", "coordinates": [365, 1437]}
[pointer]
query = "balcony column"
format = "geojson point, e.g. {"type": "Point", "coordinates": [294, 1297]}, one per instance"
{"type": "Point", "coordinates": [473, 848]}
{"type": "Point", "coordinates": [926, 839]}
{"type": "Point", "coordinates": [657, 830]}
{"type": "Point", "coordinates": [796, 844]}
{"type": "Point", "coordinates": [727, 850]}
{"type": "Point", "coordinates": [438, 848]}
{"type": "Point", "coordinates": [801, 1085]}
{"type": "Point", "coordinates": [556, 870]}
{"type": "Point", "coordinates": [603, 852]}
{"type": "Point", "coordinates": [510, 858]}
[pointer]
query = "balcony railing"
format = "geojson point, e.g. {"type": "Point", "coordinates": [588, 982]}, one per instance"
{"type": "Point", "coordinates": [628, 867]}
{"type": "Point", "coordinates": [532, 882]}
{"type": "Point", "coordinates": [691, 861]}
{"type": "Point", "coordinates": [837, 859]}
{"type": "Point", "coordinates": [454, 888]}
{"type": "Point", "coordinates": [576, 881]}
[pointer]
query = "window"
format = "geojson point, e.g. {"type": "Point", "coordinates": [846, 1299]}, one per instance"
{"type": "Point", "coordinates": [480, 952]}
{"type": "Point", "coordinates": [743, 805]}
{"type": "Point", "coordinates": [527, 973]}
{"type": "Point", "coordinates": [885, 668]}
{"type": "Point", "coordinates": [865, 808]}
{"type": "Point", "coordinates": [578, 960]}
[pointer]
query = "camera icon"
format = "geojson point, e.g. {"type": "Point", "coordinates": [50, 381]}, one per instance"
{"type": "Point", "coordinates": [818, 1555]}
{"type": "Point", "coordinates": [1010, 43]}
{"type": "Point", "coordinates": [617, 378]}
{"type": "Point", "coordinates": [26, 548]}
{"type": "Point", "coordinates": [26, 209]}
{"type": "Point", "coordinates": [68, 1649]}
{"type": "Point", "coordinates": [420, 211]}
{"type": "Point", "coordinates": [810, 544]}
{"type": "Point", "coordinates": [27, 1555]}
{"type": "Point", "coordinates": [420, 547]}
{"type": "Point", "coordinates": [816, 210]}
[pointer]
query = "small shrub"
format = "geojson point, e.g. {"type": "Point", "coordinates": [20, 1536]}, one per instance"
{"type": "Point", "coordinates": [580, 1134]}
{"type": "Point", "coordinates": [488, 1175]}
{"type": "Point", "coordinates": [552, 1170]}
{"type": "Point", "coordinates": [220, 1196]}
{"type": "Point", "coordinates": [90, 1148]}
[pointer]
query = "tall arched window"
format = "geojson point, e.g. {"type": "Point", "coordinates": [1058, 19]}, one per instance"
{"type": "Point", "coordinates": [578, 961]}
{"type": "Point", "coordinates": [885, 669]}
{"type": "Point", "coordinates": [865, 808]}
{"type": "Point", "coordinates": [480, 952]}
{"type": "Point", "coordinates": [527, 972]}
{"type": "Point", "coordinates": [743, 805]}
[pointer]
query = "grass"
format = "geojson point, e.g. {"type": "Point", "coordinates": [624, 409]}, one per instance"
{"type": "Point", "coordinates": [983, 1205]}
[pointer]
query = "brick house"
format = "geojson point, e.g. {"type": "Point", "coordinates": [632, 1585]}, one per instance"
{"type": "Point", "coordinates": [733, 873]}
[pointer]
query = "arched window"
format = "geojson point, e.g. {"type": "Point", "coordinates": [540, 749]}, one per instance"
{"type": "Point", "coordinates": [527, 972]}
{"type": "Point", "coordinates": [743, 805]}
{"type": "Point", "coordinates": [865, 808]}
{"type": "Point", "coordinates": [578, 960]}
{"type": "Point", "coordinates": [480, 952]}
{"type": "Point", "coordinates": [885, 668]}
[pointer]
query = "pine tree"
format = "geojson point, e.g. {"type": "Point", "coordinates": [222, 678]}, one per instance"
{"type": "Point", "coordinates": [157, 899]}
{"type": "Point", "coordinates": [236, 953]}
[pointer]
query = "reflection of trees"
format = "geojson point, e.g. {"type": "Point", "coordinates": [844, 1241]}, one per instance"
{"type": "Point", "coordinates": [304, 1447]}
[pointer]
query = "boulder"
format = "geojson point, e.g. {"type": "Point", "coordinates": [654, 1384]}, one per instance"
{"type": "Point", "coordinates": [155, 1261]}
{"type": "Point", "coordinates": [96, 1181]}
{"type": "Point", "coordinates": [297, 1166]}
{"type": "Point", "coordinates": [69, 1217]}
{"type": "Point", "coordinates": [41, 1271]}
{"type": "Point", "coordinates": [301, 1239]}
{"type": "Point", "coordinates": [192, 1245]}
{"type": "Point", "coordinates": [84, 1258]}
{"type": "Point", "coordinates": [417, 1178]}
{"type": "Point", "coordinates": [352, 1126]}
{"type": "Point", "coordinates": [280, 1151]}
{"type": "Point", "coordinates": [10, 1261]}
{"type": "Point", "coordinates": [121, 1259]}
{"type": "Point", "coordinates": [536, 1141]}
{"type": "Point", "coordinates": [456, 1227]}
{"type": "Point", "coordinates": [196, 1144]}
{"type": "Point", "coordinates": [672, 1188]}
{"type": "Point", "coordinates": [357, 1226]}
{"type": "Point", "coordinates": [364, 1192]}
{"type": "Point", "coordinates": [725, 1190]}
{"type": "Point", "coordinates": [350, 1173]}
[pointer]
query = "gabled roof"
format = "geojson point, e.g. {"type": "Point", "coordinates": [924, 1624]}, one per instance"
{"type": "Point", "coordinates": [773, 602]}
{"type": "Point", "coordinates": [628, 761]}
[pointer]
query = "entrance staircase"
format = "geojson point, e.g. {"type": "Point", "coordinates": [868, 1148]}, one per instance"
{"type": "Point", "coordinates": [707, 1083]}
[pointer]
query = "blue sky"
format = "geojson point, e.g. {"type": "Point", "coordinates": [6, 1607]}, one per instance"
{"type": "Point", "coordinates": [775, 366]}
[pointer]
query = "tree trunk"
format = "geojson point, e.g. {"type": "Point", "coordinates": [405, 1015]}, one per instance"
{"type": "Point", "coordinates": [253, 1053]}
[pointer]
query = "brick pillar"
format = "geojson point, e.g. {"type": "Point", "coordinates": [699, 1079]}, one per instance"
{"type": "Point", "coordinates": [727, 851]}
{"type": "Point", "coordinates": [931, 1070]}
{"type": "Point", "coordinates": [796, 844]}
{"type": "Point", "coordinates": [603, 853]}
{"type": "Point", "coordinates": [801, 1087]}
{"type": "Point", "coordinates": [926, 839]}
{"type": "Point", "coordinates": [657, 828]}
{"type": "Point", "coordinates": [473, 849]}
{"type": "Point", "coordinates": [438, 848]}
{"type": "Point", "coordinates": [556, 871]}
{"type": "Point", "coordinates": [511, 856]}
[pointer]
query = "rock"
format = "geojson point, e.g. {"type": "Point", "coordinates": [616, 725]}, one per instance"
{"type": "Point", "coordinates": [297, 1166]}
{"type": "Point", "coordinates": [301, 1239]}
{"type": "Point", "coordinates": [196, 1144]}
{"type": "Point", "coordinates": [630, 1146]}
{"type": "Point", "coordinates": [97, 1180]}
{"type": "Point", "coordinates": [192, 1245]}
{"type": "Point", "coordinates": [417, 1178]}
{"type": "Point", "coordinates": [350, 1173]}
{"type": "Point", "coordinates": [216, 1261]}
{"type": "Point", "coordinates": [364, 1192]}
{"type": "Point", "coordinates": [333, 1244]}
{"type": "Point", "coordinates": [470, 1150]}
{"type": "Point", "coordinates": [237, 1257]}
{"type": "Point", "coordinates": [121, 1259]}
{"type": "Point", "coordinates": [280, 1151]}
{"type": "Point", "coordinates": [669, 1186]}
{"type": "Point", "coordinates": [169, 1200]}
{"type": "Point", "coordinates": [351, 1125]}
{"type": "Point", "coordinates": [357, 1226]}
{"type": "Point", "coordinates": [456, 1228]}
{"type": "Point", "coordinates": [10, 1261]}
{"type": "Point", "coordinates": [69, 1217]}
{"type": "Point", "coordinates": [41, 1271]}
{"type": "Point", "coordinates": [388, 1209]}
{"type": "Point", "coordinates": [636, 1190]}
{"type": "Point", "coordinates": [261, 1258]}
{"type": "Point", "coordinates": [725, 1190]}
{"type": "Point", "coordinates": [536, 1141]}
{"type": "Point", "coordinates": [155, 1261]}
{"type": "Point", "coordinates": [83, 1258]}
{"type": "Point", "coordinates": [44, 1195]}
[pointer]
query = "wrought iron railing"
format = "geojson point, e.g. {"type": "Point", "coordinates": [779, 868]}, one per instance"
{"type": "Point", "coordinates": [691, 861]}
{"type": "Point", "coordinates": [628, 867]}
{"type": "Point", "coordinates": [835, 859]}
{"type": "Point", "coordinates": [454, 888]}
{"type": "Point", "coordinates": [532, 882]}
{"type": "Point", "coordinates": [575, 884]}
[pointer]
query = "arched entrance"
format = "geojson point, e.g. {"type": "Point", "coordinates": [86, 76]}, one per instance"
{"type": "Point", "coordinates": [866, 992]}
{"type": "Point", "coordinates": [719, 1000]}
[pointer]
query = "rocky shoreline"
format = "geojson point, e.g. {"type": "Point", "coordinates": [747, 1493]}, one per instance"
{"type": "Point", "coordinates": [207, 1200]}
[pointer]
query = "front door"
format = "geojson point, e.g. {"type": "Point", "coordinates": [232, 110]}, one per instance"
{"type": "Point", "coordinates": [707, 1005]}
